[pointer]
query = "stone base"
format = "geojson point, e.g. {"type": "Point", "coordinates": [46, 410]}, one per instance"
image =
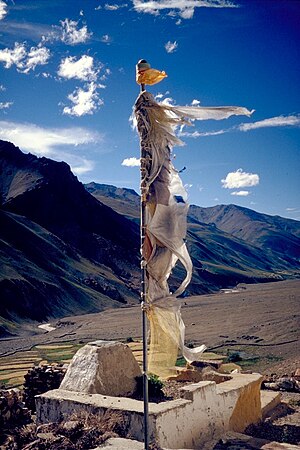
{"type": "Point", "coordinates": [206, 412]}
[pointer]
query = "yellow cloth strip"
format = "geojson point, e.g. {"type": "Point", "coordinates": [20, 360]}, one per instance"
{"type": "Point", "coordinates": [150, 76]}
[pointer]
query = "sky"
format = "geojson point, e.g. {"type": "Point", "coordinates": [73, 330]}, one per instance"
{"type": "Point", "coordinates": [67, 88]}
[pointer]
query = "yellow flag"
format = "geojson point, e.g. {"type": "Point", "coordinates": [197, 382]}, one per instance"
{"type": "Point", "coordinates": [150, 76]}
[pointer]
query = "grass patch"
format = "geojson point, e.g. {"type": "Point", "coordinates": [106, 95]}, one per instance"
{"type": "Point", "coordinates": [181, 362]}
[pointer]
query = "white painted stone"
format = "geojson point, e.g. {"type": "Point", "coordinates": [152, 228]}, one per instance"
{"type": "Point", "coordinates": [205, 413]}
{"type": "Point", "coordinates": [102, 367]}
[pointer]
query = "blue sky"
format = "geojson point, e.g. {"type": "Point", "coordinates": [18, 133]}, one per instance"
{"type": "Point", "coordinates": [67, 87]}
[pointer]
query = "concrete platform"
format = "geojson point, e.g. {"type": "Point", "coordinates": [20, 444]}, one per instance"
{"type": "Point", "coordinates": [206, 411]}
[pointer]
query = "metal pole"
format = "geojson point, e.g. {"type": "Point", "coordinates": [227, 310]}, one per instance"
{"type": "Point", "coordinates": [143, 297]}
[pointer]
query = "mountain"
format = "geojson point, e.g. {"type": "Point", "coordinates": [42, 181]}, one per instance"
{"type": "Point", "coordinates": [122, 200]}
{"type": "Point", "coordinates": [62, 251]}
{"type": "Point", "coordinates": [227, 242]}
{"type": "Point", "coordinates": [68, 249]}
{"type": "Point", "coordinates": [278, 237]}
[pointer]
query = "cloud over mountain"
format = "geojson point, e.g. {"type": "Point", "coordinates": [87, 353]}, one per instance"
{"type": "Point", "coordinates": [52, 142]}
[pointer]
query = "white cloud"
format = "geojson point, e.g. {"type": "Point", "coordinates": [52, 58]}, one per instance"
{"type": "Point", "coordinates": [84, 101]}
{"type": "Point", "coordinates": [131, 162]}
{"type": "Point", "coordinates": [71, 34]}
{"type": "Point", "coordinates": [196, 134]}
{"type": "Point", "coordinates": [37, 56]}
{"type": "Point", "coordinates": [171, 47]}
{"type": "Point", "coordinates": [5, 105]}
{"type": "Point", "coordinates": [114, 7]}
{"type": "Point", "coordinates": [32, 31]}
{"type": "Point", "coordinates": [43, 141]}
{"type": "Point", "coordinates": [240, 179]}
{"type": "Point", "coordinates": [106, 39]}
{"type": "Point", "coordinates": [23, 60]}
{"type": "Point", "coordinates": [168, 101]}
{"type": "Point", "coordinates": [80, 165]}
{"type": "Point", "coordinates": [279, 121]}
{"type": "Point", "coordinates": [241, 193]}
{"type": "Point", "coordinates": [184, 8]}
{"type": "Point", "coordinates": [49, 141]}
{"type": "Point", "coordinates": [3, 9]}
{"type": "Point", "coordinates": [15, 56]}
{"type": "Point", "coordinates": [195, 102]}
{"type": "Point", "coordinates": [82, 69]}
{"type": "Point", "coordinates": [2, 88]}
{"type": "Point", "coordinates": [291, 209]}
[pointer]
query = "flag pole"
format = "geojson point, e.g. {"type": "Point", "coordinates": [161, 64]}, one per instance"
{"type": "Point", "coordinates": [143, 288]}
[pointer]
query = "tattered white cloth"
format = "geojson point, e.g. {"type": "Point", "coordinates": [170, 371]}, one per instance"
{"type": "Point", "coordinates": [165, 199]}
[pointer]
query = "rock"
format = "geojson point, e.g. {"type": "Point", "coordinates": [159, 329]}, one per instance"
{"type": "Point", "coordinates": [297, 374]}
{"type": "Point", "coordinates": [46, 436]}
{"type": "Point", "coordinates": [12, 409]}
{"type": "Point", "coordinates": [185, 374]}
{"type": "Point", "coordinates": [216, 364]}
{"type": "Point", "coordinates": [102, 367]}
{"type": "Point", "coordinates": [286, 384]}
{"type": "Point", "coordinates": [283, 384]}
{"type": "Point", "coordinates": [209, 374]}
{"type": "Point", "coordinates": [121, 444]}
{"type": "Point", "coordinates": [71, 425]}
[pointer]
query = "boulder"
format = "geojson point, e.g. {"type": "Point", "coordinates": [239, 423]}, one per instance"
{"type": "Point", "coordinates": [102, 367]}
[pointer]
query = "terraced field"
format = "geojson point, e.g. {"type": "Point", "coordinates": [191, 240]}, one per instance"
{"type": "Point", "coordinates": [14, 367]}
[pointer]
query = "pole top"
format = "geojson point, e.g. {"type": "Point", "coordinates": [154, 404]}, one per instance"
{"type": "Point", "coordinates": [143, 65]}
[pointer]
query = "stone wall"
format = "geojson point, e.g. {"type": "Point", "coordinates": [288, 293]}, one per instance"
{"type": "Point", "coordinates": [42, 379]}
{"type": "Point", "coordinates": [12, 409]}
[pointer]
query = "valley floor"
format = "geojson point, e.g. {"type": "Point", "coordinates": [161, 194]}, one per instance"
{"type": "Point", "coordinates": [260, 322]}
